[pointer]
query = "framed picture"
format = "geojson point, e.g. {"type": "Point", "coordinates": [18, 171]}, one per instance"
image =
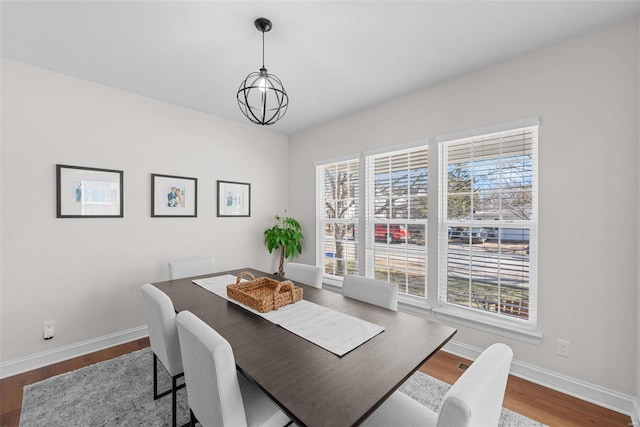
{"type": "Point", "coordinates": [89, 192]}
{"type": "Point", "coordinates": [174, 196]}
{"type": "Point", "coordinates": [234, 198]}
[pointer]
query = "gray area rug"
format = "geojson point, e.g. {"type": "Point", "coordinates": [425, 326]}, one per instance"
{"type": "Point", "coordinates": [118, 392]}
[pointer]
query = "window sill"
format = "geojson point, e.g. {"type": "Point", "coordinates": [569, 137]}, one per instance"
{"type": "Point", "coordinates": [494, 326]}
{"type": "Point", "coordinates": [332, 284]}
{"type": "Point", "coordinates": [414, 305]}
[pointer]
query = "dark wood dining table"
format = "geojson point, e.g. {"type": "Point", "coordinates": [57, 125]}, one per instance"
{"type": "Point", "coordinates": [312, 385]}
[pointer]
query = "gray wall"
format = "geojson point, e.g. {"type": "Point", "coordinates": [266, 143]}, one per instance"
{"type": "Point", "coordinates": [585, 92]}
{"type": "Point", "coordinates": [638, 289]}
{"type": "Point", "coordinates": [86, 273]}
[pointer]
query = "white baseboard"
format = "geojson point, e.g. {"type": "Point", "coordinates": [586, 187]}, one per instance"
{"type": "Point", "coordinates": [46, 358]}
{"type": "Point", "coordinates": [635, 417]}
{"type": "Point", "coordinates": [600, 396]}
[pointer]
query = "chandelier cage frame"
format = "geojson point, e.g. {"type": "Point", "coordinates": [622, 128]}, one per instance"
{"type": "Point", "coordinates": [261, 96]}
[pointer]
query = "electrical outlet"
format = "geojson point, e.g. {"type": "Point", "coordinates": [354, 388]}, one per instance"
{"type": "Point", "coordinates": [48, 329]}
{"type": "Point", "coordinates": [564, 348]}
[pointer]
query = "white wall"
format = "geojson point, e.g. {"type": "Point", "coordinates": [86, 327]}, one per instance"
{"type": "Point", "coordinates": [85, 273]}
{"type": "Point", "coordinates": [638, 265]}
{"type": "Point", "coordinates": [585, 92]}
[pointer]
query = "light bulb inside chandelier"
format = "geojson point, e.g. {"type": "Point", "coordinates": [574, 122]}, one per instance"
{"type": "Point", "coordinates": [263, 83]}
{"type": "Point", "coordinates": [261, 96]}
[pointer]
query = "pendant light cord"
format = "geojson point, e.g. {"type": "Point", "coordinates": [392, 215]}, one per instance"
{"type": "Point", "coordinates": [263, 49]}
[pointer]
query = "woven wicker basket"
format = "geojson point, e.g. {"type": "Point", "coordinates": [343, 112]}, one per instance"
{"type": "Point", "coordinates": [263, 294]}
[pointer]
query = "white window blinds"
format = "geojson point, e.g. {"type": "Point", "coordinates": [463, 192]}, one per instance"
{"type": "Point", "coordinates": [337, 210]}
{"type": "Point", "coordinates": [396, 218]}
{"type": "Point", "coordinates": [488, 223]}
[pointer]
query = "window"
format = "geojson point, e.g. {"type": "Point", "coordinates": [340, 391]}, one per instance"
{"type": "Point", "coordinates": [488, 223]}
{"type": "Point", "coordinates": [337, 209]}
{"type": "Point", "coordinates": [396, 219]}
{"type": "Point", "coordinates": [484, 223]}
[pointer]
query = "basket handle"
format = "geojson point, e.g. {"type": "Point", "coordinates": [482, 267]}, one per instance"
{"type": "Point", "coordinates": [283, 287]}
{"type": "Point", "coordinates": [244, 273]}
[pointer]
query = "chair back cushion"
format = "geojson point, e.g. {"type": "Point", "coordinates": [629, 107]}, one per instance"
{"type": "Point", "coordinates": [210, 374]}
{"type": "Point", "coordinates": [372, 291]}
{"type": "Point", "coordinates": [161, 322]}
{"type": "Point", "coordinates": [304, 273]}
{"type": "Point", "coordinates": [476, 398]}
{"type": "Point", "coordinates": [191, 267]}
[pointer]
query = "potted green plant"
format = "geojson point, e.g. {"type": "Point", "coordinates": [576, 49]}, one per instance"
{"type": "Point", "coordinates": [285, 234]}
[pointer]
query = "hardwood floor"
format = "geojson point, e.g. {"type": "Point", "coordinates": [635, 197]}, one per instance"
{"type": "Point", "coordinates": [532, 400]}
{"type": "Point", "coordinates": [539, 403]}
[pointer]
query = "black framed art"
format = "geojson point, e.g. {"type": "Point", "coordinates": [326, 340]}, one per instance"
{"type": "Point", "coordinates": [174, 196]}
{"type": "Point", "coordinates": [84, 192]}
{"type": "Point", "coordinates": [234, 199]}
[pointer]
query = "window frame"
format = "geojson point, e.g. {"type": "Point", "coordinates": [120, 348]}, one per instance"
{"type": "Point", "coordinates": [401, 249]}
{"type": "Point", "coordinates": [512, 327]}
{"type": "Point", "coordinates": [322, 221]}
{"type": "Point", "coordinates": [519, 328]}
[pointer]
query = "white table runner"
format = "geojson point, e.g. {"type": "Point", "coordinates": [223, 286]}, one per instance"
{"type": "Point", "coordinates": [332, 330]}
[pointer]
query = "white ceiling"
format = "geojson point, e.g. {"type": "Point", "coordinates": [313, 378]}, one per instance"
{"type": "Point", "coordinates": [334, 57]}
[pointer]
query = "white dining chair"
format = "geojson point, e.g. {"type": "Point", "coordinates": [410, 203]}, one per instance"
{"type": "Point", "coordinates": [304, 273]}
{"type": "Point", "coordinates": [372, 291]}
{"type": "Point", "coordinates": [163, 335]}
{"type": "Point", "coordinates": [217, 394]}
{"type": "Point", "coordinates": [179, 269]}
{"type": "Point", "coordinates": [474, 400]}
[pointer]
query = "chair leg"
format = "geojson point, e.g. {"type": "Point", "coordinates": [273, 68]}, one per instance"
{"type": "Point", "coordinates": [174, 399]}
{"type": "Point", "coordinates": [157, 395]}
{"type": "Point", "coordinates": [173, 390]}
{"type": "Point", "coordinates": [192, 418]}
{"type": "Point", "coordinates": [155, 377]}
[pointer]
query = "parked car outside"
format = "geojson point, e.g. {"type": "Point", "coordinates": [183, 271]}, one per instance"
{"type": "Point", "coordinates": [477, 235]}
{"type": "Point", "coordinates": [392, 232]}
{"type": "Point", "coordinates": [454, 233]}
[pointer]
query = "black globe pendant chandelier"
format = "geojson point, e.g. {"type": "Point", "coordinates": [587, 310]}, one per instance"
{"type": "Point", "coordinates": [261, 96]}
